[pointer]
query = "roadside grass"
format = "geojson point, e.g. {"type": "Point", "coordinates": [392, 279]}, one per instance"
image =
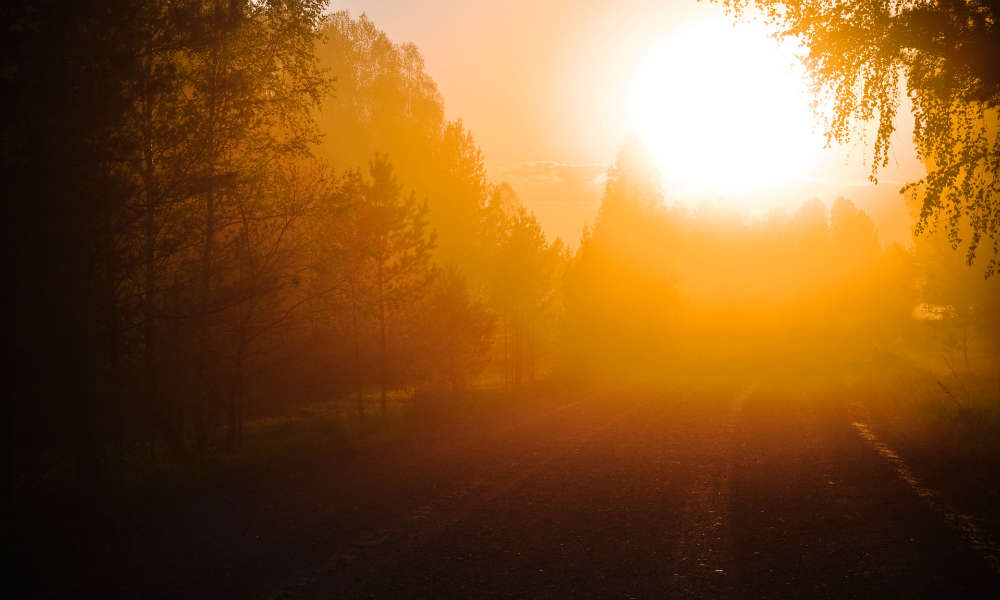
{"type": "Point", "coordinates": [944, 424]}
{"type": "Point", "coordinates": [329, 430]}
{"type": "Point", "coordinates": [960, 410]}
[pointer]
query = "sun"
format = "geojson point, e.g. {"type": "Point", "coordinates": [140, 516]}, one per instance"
{"type": "Point", "coordinates": [720, 107]}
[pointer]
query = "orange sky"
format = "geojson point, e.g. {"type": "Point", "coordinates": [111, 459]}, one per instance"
{"type": "Point", "coordinates": [543, 86]}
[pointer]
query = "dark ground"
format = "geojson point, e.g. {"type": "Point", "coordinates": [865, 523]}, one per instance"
{"type": "Point", "coordinates": [723, 491]}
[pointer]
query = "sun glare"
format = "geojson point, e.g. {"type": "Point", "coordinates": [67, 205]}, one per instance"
{"type": "Point", "coordinates": [722, 107]}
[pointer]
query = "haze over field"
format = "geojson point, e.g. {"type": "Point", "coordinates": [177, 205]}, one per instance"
{"type": "Point", "coordinates": [386, 299]}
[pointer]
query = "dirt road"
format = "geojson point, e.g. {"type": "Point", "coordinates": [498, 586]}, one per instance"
{"type": "Point", "coordinates": [729, 491]}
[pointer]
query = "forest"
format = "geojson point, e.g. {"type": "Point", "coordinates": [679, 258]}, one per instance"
{"type": "Point", "coordinates": [226, 213]}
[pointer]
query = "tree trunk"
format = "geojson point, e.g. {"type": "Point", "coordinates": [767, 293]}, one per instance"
{"type": "Point", "coordinates": [150, 385]}
{"type": "Point", "coordinates": [383, 358]}
{"type": "Point", "coordinates": [530, 351]}
{"type": "Point", "coordinates": [356, 328]}
{"type": "Point", "coordinates": [204, 341]}
{"type": "Point", "coordinates": [506, 355]}
{"type": "Point", "coordinates": [235, 409]}
{"type": "Point", "coordinates": [113, 377]}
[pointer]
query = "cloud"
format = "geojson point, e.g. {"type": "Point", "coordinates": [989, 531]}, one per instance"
{"type": "Point", "coordinates": [547, 172]}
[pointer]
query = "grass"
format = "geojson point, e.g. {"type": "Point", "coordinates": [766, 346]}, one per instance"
{"type": "Point", "coordinates": [944, 423]}
{"type": "Point", "coordinates": [314, 431]}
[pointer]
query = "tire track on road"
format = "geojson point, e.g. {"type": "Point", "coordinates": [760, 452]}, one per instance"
{"type": "Point", "coordinates": [429, 521]}
{"type": "Point", "coordinates": [705, 546]}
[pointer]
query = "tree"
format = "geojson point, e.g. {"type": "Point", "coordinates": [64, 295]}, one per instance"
{"type": "Point", "coordinates": [62, 65]}
{"type": "Point", "coordinates": [167, 123]}
{"type": "Point", "coordinates": [522, 275]}
{"type": "Point", "coordinates": [948, 51]}
{"type": "Point", "coordinates": [459, 189]}
{"type": "Point", "coordinates": [621, 285]}
{"type": "Point", "coordinates": [386, 103]}
{"type": "Point", "coordinates": [853, 233]}
{"type": "Point", "coordinates": [454, 333]}
{"type": "Point", "coordinates": [966, 307]}
{"type": "Point", "coordinates": [253, 84]}
{"type": "Point", "coordinates": [271, 259]}
{"type": "Point", "coordinates": [381, 252]}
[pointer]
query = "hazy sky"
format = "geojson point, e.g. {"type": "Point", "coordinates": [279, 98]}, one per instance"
{"type": "Point", "coordinates": [534, 80]}
{"type": "Point", "coordinates": [543, 83]}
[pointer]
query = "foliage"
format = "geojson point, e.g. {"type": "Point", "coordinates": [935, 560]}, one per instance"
{"type": "Point", "coordinates": [947, 51]}
{"type": "Point", "coordinates": [380, 261]}
{"type": "Point", "coordinates": [202, 230]}
{"type": "Point", "coordinates": [386, 103]}
{"type": "Point", "coordinates": [454, 334]}
{"type": "Point", "coordinates": [522, 272]}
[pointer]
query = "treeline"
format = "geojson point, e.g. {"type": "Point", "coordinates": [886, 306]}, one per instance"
{"type": "Point", "coordinates": [659, 288]}
{"type": "Point", "coordinates": [221, 208]}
